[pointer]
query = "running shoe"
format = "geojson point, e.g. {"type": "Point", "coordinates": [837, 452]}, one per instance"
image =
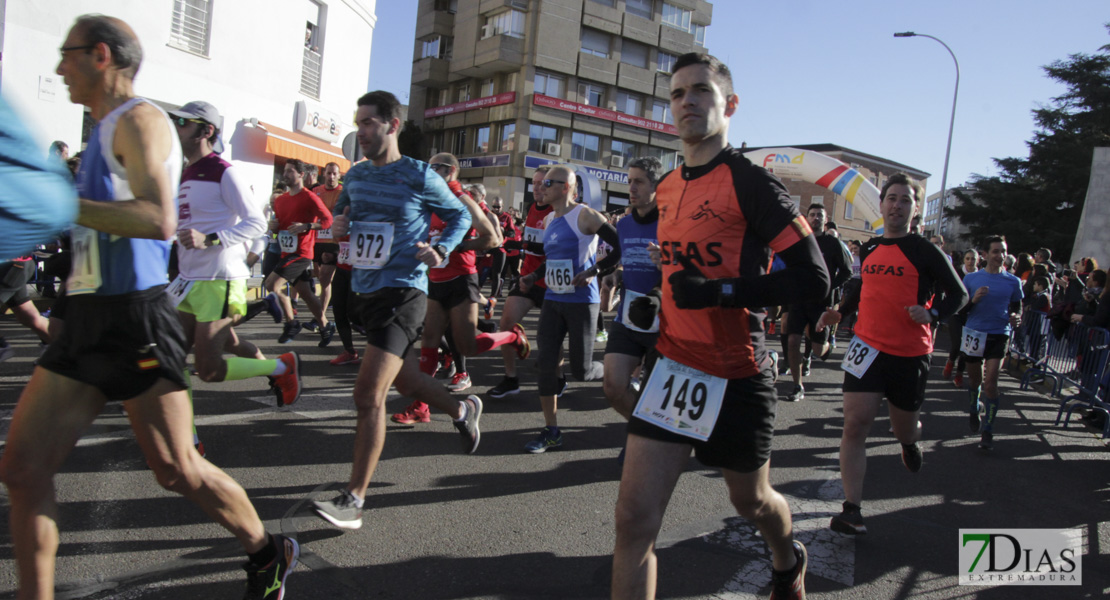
{"type": "Point", "coordinates": [417, 412]}
{"type": "Point", "coordinates": [958, 380]}
{"type": "Point", "coordinates": [797, 395]}
{"type": "Point", "coordinates": [312, 325]}
{"type": "Point", "coordinates": [547, 440]}
{"type": "Point", "coordinates": [268, 583]}
{"type": "Point", "coordinates": [459, 382]}
{"type": "Point", "coordinates": [342, 511]}
{"type": "Point", "coordinates": [791, 585]}
{"type": "Point", "coordinates": [290, 331]}
{"type": "Point", "coordinates": [347, 358]}
{"type": "Point", "coordinates": [849, 521]}
{"type": "Point", "coordinates": [468, 427]}
{"type": "Point", "coordinates": [447, 365]}
{"type": "Point", "coordinates": [562, 386]}
{"type": "Point", "coordinates": [508, 386]}
{"type": "Point", "coordinates": [986, 441]}
{"type": "Point", "coordinates": [911, 456]}
{"type": "Point", "coordinates": [290, 383]}
{"type": "Point", "coordinates": [602, 337]}
{"type": "Point", "coordinates": [273, 306]}
{"type": "Point", "coordinates": [523, 348]}
{"type": "Point", "coordinates": [6, 351]}
{"type": "Point", "coordinates": [774, 366]}
{"type": "Point", "coordinates": [326, 334]}
{"type": "Point", "coordinates": [490, 305]}
{"type": "Point", "coordinates": [947, 372]}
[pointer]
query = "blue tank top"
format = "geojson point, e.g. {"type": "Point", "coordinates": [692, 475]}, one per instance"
{"type": "Point", "coordinates": [123, 264]}
{"type": "Point", "coordinates": [640, 274]}
{"type": "Point", "coordinates": [568, 253]}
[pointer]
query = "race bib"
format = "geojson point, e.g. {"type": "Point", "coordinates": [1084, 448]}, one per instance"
{"type": "Point", "coordinates": [84, 278]}
{"type": "Point", "coordinates": [973, 343]}
{"type": "Point", "coordinates": [682, 399]}
{"type": "Point", "coordinates": [287, 241]}
{"type": "Point", "coordinates": [344, 253]}
{"type": "Point", "coordinates": [559, 275]}
{"type": "Point", "coordinates": [629, 296]}
{"type": "Point", "coordinates": [858, 357]}
{"type": "Point", "coordinates": [533, 234]}
{"type": "Point", "coordinates": [324, 234]}
{"type": "Point", "coordinates": [370, 244]}
{"type": "Point", "coordinates": [178, 290]}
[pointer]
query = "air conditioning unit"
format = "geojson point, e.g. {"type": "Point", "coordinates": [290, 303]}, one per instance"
{"type": "Point", "coordinates": [553, 149]}
{"type": "Point", "coordinates": [616, 161]}
{"type": "Point", "coordinates": [487, 31]}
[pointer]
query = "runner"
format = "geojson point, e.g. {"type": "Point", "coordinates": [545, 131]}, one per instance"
{"type": "Point", "coordinates": [14, 277]}
{"type": "Point", "coordinates": [326, 252]}
{"type": "Point", "coordinates": [889, 355]}
{"type": "Point", "coordinates": [122, 339]}
{"type": "Point", "coordinates": [571, 303]}
{"type": "Point", "coordinates": [298, 215]}
{"type": "Point", "coordinates": [636, 326]}
{"type": "Point", "coordinates": [721, 214]}
{"type": "Point", "coordinates": [996, 308]}
{"type": "Point", "coordinates": [386, 207]}
{"type": "Point", "coordinates": [954, 366]}
{"type": "Point", "coordinates": [217, 217]}
{"type": "Point", "coordinates": [509, 232]}
{"type": "Point", "coordinates": [521, 301]}
{"type": "Point", "coordinates": [453, 296]}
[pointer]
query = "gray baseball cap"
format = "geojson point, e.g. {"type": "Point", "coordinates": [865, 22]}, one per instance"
{"type": "Point", "coordinates": [199, 109]}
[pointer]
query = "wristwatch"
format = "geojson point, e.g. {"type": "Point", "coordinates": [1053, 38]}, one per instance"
{"type": "Point", "coordinates": [212, 239]}
{"type": "Point", "coordinates": [441, 250]}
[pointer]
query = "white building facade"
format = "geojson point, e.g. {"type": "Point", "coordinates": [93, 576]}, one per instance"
{"type": "Point", "coordinates": [284, 74]}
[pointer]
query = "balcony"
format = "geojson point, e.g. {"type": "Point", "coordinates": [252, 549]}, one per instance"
{"type": "Point", "coordinates": [310, 73]}
{"type": "Point", "coordinates": [495, 54]}
{"type": "Point", "coordinates": [430, 71]}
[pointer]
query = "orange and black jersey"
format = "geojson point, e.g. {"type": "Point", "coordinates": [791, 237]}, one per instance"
{"type": "Point", "coordinates": [726, 217]}
{"type": "Point", "coordinates": [898, 273]}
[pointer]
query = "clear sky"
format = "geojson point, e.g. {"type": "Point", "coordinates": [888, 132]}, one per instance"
{"type": "Point", "coordinates": [819, 71]}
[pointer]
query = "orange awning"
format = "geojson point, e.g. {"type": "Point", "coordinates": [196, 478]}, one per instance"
{"type": "Point", "coordinates": [290, 144]}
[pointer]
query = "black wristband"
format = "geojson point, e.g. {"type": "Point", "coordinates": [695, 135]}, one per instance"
{"type": "Point", "coordinates": [212, 239]}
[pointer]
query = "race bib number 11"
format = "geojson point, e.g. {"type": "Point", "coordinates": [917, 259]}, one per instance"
{"type": "Point", "coordinates": [682, 399]}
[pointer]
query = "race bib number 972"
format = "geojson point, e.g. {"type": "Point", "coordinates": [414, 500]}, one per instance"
{"type": "Point", "coordinates": [371, 244]}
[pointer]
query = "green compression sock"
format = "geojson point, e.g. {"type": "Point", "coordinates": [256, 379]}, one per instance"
{"type": "Point", "coordinates": [244, 368]}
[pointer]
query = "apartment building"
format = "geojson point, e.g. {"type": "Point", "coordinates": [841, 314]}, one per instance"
{"type": "Point", "coordinates": [509, 85]}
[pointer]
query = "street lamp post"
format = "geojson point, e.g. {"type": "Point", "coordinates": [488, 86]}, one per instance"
{"type": "Point", "coordinates": [952, 121]}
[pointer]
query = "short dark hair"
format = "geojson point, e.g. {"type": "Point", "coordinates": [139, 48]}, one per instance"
{"type": "Point", "coordinates": [816, 205]}
{"type": "Point", "coordinates": [298, 165]}
{"type": "Point", "coordinates": [1041, 280]}
{"type": "Point", "coordinates": [830, 224]}
{"type": "Point", "coordinates": [994, 239]}
{"type": "Point", "coordinates": [1045, 252]}
{"type": "Point", "coordinates": [1099, 276]}
{"type": "Point", "coordinates": [387, 105]}
{"type": "Point", "coordinates": [904, 179]}
{"type": "Point", "coordinates": [650, 165]}
{"type": "Point", "coordinates": [718, 68]}
{"type": "Point", "coordinates": [127, 53]}
{"type": "Point", "coordinates": [58, 146]}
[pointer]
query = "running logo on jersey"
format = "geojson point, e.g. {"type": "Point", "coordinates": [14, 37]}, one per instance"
{"type": "Point", "coordinates": [704, 212]}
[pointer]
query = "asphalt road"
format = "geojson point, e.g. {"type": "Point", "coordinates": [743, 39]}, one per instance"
{"type": "Point", "coordinates": [505, 524]}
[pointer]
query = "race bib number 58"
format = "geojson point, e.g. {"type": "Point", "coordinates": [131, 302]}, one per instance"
{"type": "Point", "coordinates": [858, 358]}
{"type": "Point", "coordinates": [682, 399]}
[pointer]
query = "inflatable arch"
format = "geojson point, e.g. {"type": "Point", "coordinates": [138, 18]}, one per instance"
{"type": "Point", "coordinates": [827, 172]}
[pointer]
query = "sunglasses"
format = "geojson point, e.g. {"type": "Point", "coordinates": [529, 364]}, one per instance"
{"type": "Point", "coordinates": [550, 182]}
{"type": "Point", "coordinates": [439, 166]}
{"type": "Point", "coordinates": [65, 49]}
{"type": "Point", "coordinates": [181, 121]}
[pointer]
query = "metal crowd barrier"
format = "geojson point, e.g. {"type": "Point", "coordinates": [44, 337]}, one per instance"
{"type": "Point", "coordinates": [1079, 358]}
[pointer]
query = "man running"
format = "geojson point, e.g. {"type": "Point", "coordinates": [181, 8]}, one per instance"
{"type": "Point", "coordinates": [298, 215]}
{"type": "Point", "coordinates": [571, 303]}
{"type": "Point", "coordinates": [710, 389]}
{"type": "Point", "coordinates": [326, 252]}
{"type": "Point", "coordinates": [386, 207]}
{"type": "Point", "coordinates": [122, 340]}
{"type": "Point", "coordinates": [889, 355]}
{"type": "Point", "coordinates": [995, 308]}
{"type": "Point", "coordinates": [216, 216]}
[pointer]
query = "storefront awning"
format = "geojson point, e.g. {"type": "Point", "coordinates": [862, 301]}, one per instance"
{"type": "Point", "coordinates": [290, 144]}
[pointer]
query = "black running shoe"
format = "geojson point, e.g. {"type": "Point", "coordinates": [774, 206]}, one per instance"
{"type": "Point", "coordinates": [849, 521]}
{"type": "Point", "coordinates": [290, 331]}
{"type": "Point", "coordinates": [973, 422]}
{"type": "Point", "coordinates": [791, 585]}
{"type": "Point", "coordinates": [797, 395]}
{"type": "Point", "coordinates": [326, 334]}
{"type": "Point", "coordinates": [268, 583]}
{"type": "Point", "coordinates": [986, 442]}
{"type": "Point", "coordinates": [911, 456]}
{"type": "Point", "coordinates": [508, 386]}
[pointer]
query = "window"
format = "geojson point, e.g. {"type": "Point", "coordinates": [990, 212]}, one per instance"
{"type": "Point", "coordinates": [849, 211]}
{"type": "Point", "coordinates": [481, 141]}
{"type": "Point", "coordinates": [640, 8]}
{"type": "Point", "coordinates": [797, 200]}
{"type": "Point", "coordinates": [591, 93]}
{"type": "Point", "coordinates": [444, 96]}
{"type": "Point", "coordinates": [699, 34]}
{"type": "Point", "coordinates": [635, 54]}
{"type": "Point", "coordinates": [669, 158]}
{"type": "Point", "coordinates": [625, 149]}
{"type": "Point", "coordinates": [661, 111]}
{"type": "Point", "coordinates": [464, 93]}
{"type": "Point", "coordinates": [487, 88]}
{"type": "Point", "coordinates": [508, 137]}
{"type": "Point", "coordinates": [189, 25]}
{"type": "Point", "coordinates": [676, 17]}
{"type": "Point", "coordinates": [460, 143]}
{"type": "Point", "coordinates": [451, 6]}
{"type": "Point", "coordinates": [510, 23]}
{"type": "Point", "coordinates": [612, 3]}
{"type": "Point", "coordinates": [595, 42]}
{"type": "Point", "coordinates": [539, 136]}
{"type": "Point", "coordinates": [549, 85]}
{"type": "Point", "coordinates": [666, 62]}
{"type": "Point", "coordinates": [630, 104]}
{"type": "Point", "coordinates": [437, 47]}
{"type": "Point", "coordinates": [312, 64]}
{"type": "Point", "coordinates": [584, 146]}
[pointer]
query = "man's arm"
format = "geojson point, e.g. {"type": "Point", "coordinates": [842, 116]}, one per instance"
{"type": "Point", "coordinates": [489, 233]}
{"type": "Point", "coordinates": [142, 144]}
{"type": "Point", "coordinates": [441, 201]}
{"type": "Point", "coordinates": [241, 200]}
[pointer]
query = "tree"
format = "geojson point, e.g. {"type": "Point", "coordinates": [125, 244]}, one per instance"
{"type": "Point", "coordinates": [1037, 201]}
{"type": "Point", "coordinates": [411, 141]}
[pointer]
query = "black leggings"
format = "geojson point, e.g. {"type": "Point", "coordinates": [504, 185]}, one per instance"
{"type": "Point", "coordinates": [340, 301]}
{"type": "Point", "coordinates": [495, 273]}
{"type": "Point", "coordinates": [955, 335]}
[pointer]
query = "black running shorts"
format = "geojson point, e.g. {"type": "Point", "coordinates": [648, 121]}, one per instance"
{"type": "Point", "coordinates": [294, 269]}
{"type": "Point", "coordinates": [393, 317]}
{"type": "Point", "coordinates": [901, 379]}
{"type": "Point", "coordinates": [450, 294]}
